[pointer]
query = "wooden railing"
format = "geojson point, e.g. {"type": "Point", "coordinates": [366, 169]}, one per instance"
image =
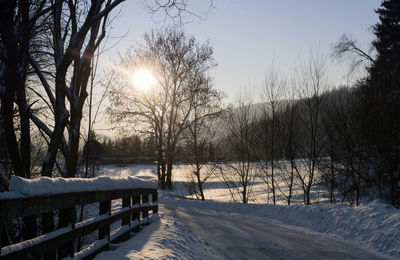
{"type": "Point", "coordinates": [134, 212]}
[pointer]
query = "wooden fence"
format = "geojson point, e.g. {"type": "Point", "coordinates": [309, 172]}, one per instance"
{"type": "Point", "coordinates": [63, 241]}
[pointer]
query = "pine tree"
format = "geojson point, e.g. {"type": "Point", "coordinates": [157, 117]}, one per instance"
{"type": "Point", "coordinates": [381, 100]}
{"type": "Point", "coordinates": [385, 71]}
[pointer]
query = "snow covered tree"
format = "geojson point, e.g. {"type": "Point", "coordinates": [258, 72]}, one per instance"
{"type": "Point", "coordinates": [65, 35]}
{"type": "Point", "coordinates": [19, 25]}
{"type": "Point", "coordinates": [74, 45]}
{"type": "Point", "coordinates": [37, 39]}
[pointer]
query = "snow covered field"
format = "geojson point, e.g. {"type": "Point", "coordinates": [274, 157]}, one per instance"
{"type": "Point", "coordinates": [220, 229]}
{"type": "Point", "coordinates": [215, 189]}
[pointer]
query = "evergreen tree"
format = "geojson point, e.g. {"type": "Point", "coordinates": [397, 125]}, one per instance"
{"type": "Point", "coordinates": [381, 101]}
{"type": "Point", "coordinates": [385, 71]}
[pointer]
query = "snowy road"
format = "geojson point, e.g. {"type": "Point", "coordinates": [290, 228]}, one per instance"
{"type": "Point", "coordinates": [189, 229]}
{"type": "Point", "coordinates": [220, 229]}
{"type": "Point", "coordinates": [240, 236]}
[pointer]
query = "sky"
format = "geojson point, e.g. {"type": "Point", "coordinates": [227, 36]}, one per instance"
{"type": "Point", "coordinates": [248, 35]}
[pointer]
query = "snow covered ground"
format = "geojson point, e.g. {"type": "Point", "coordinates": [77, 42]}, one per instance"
{"type": "Point", "coordinates": [219, 229]}
{"type": "Point", "coordinates": [215, 189]}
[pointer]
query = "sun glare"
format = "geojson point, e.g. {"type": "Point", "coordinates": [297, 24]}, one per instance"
{"type": "Point", "coordinates": [143, 79]}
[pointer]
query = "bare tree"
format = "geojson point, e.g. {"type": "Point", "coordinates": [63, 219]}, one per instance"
{"type": "Point", "coordinates": [18, 27]}
{"type": "Point", "coordinates": [311, 84]}
{"type": "Point", "coordinates": [176, 10]}
{"type": "Point", "coordinates": [201, 132]}
{"type": "Point", "coordinates": [272, 95]}
{"type": "Point", "coordinates": [19, 23]}
{"type": "Point", "coordinates": [288, 126]}
{"type": "Point", "coordinates": [347, 169]}
{"type": "Point", "coordinates": [143, 109]}
{"type": "Point", "coordinates": [330, 168]}
{"type": "Point", "coordinates": [347, 48]}
{"type": "Point", "coordinates": [242, 138]}
{"type": "Point", "coordinates": [177, 62]}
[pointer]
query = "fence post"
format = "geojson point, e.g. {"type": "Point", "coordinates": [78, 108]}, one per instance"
{"type": "Point", "coordinates": [126, 202]}
{"type": "Point", "coordinates": [47, 227]}
{"type": "Point", "coordinates": [145, 212]}
{"type": "Point", "coordinates": [29, 230]}
{"type": "Point", "coordinates": [1, 233]}
{"type": "Point", "coordinates": [136, 214]}
{"type": "Point", "coordinates": [154, 200]}
{"type": "Point", "coordinates": [105, 208]}
{"type": "Point", "coordinates": [67, 217]}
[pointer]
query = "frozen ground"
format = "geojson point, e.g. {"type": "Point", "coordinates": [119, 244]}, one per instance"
{"type": "Point", "coordinates": [219, 229]}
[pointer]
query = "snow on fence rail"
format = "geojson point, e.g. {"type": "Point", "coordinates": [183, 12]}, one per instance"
{"type": "Point", "coordinates": [43, 196]}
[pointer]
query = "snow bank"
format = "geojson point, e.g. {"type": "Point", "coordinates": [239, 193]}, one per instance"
{"type": "Point", "coordinates": [377, 224]}
{"type": "Point", "coordinates": [47, 186]}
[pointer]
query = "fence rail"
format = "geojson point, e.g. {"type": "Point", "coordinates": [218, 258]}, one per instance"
{"type": "Point", "coordinates": [60, 243]}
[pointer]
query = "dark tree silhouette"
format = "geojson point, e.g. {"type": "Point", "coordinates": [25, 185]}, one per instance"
{"type": "Point", "coordinates": [387, 43]}
{"type": "Point", "coordinates": [381, 101]}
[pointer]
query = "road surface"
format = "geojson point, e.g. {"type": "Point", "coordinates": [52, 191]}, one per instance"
{"type": "Point", "coordinates": [191, 230]}
{"type": "Point", "coordinates": [241, 236]}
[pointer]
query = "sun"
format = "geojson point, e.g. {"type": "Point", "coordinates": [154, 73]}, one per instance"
{"type": "Point", "coordinates": [143, 79]}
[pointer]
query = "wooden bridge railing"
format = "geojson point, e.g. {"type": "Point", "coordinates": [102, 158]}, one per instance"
{"type": "Point", "coordinates": [134, 211]}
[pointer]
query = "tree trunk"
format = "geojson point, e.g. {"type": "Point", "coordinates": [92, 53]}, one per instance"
{"type": "Point", "coordinates": [199, 182]}
{"type": "Point", "coordinates": [244, 194]}
{"type": "Point", "coordinates": [291, 183]}
{"type": "Point", "coordinates": [72, 162]}
{"type": "Point", "coordinates": [272, 156]}
{"type": "Point", "coordinates": [10, 82]}
{"type": "Point", "coordinates": [332, 184]}
{"type": "Point", "coordinates": [61, 117]}
{"type": "Point", "coordinates": [308, 195]}
{"type": "Point", "coordinates": [169, 173]}
{"type": "Point", "coordinates": [159, 170]}
{"type": "Point", "coordinates": [163, 172]}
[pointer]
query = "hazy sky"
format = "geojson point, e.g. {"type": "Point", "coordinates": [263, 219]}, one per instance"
{"type": "Point", "coordinates": [247, 35]}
